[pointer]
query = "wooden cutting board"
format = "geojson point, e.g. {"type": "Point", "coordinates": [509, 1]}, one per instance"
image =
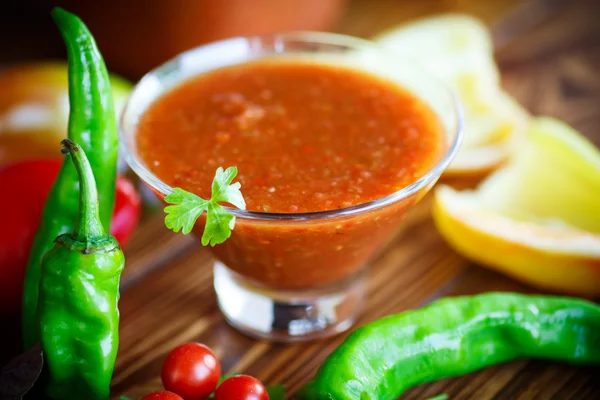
{"type": "Point", "coordinates": [549, 53]}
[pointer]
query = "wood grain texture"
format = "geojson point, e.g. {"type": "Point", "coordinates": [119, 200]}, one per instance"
{"type": "Point", "coordinates": [551, 67]}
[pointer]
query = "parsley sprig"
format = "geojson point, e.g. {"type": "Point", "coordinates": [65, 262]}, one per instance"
{"type": "Point", "coordinates": [187, 207]}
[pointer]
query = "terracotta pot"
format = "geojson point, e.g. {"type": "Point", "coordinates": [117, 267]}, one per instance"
{"type": "Point", "coordinates": [136, 36]}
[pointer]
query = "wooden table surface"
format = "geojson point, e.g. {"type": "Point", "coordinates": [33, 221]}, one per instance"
{"type": "Point", "coordinates": [549, 54]}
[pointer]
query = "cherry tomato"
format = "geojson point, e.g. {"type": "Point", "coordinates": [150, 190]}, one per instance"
{"type": "Point", "coordinates": [192, 371]}
{"type": "Point", "coordinates": [241, 387]}
{"type": "Point", "coordinates": [128, 208]}
{"type": "Point", "coordinates": [162, 395]}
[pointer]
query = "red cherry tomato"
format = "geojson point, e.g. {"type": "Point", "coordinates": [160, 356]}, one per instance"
{"type": "Point", "coordinates": [128, 208]}
{"type": "Point", "coordinates": [162, 395]}
{"type": "Point", "coordinates": [192, 371]}
{"type": "Point", "coordinates": [24, 187]}
{"type": "Point", "coordinates": [241, 387]}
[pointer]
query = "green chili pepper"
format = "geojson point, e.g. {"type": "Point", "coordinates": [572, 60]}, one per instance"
{"type": "Point", "coordinates": [453, 337]}
{"type": "Point", "coordinates": [79, 292]}
{"type": "Point", "coordinates": [92, 124]}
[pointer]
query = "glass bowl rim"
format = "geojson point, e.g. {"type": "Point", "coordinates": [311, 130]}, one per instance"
{"type": "Point", "coordinates": [308, 37]}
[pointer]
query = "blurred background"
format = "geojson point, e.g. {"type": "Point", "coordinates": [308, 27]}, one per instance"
{"type": "Point", "coordinates": [551, 40]}
{"type": "Point", "coordinates": [137, 35]}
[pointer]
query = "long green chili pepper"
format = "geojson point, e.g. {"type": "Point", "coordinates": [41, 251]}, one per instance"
{"type": "Point", "coordinates": [92, 124]}
{"type": "Point", "coordinates": [79, 292]}
{"type": "Point", "coordinates": [452, 337]}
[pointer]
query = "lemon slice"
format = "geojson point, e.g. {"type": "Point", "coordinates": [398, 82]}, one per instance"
{"type": "Point", "coordinates": [458, 49]}
{"type": "Point", "coordinates": [536, 219]}
{"type": "Point", "coordinates": [34, 109]}
{"type": "Point", "coordinates": [449, 45]}
{"type": "Point", "coordinates": [493, 122]}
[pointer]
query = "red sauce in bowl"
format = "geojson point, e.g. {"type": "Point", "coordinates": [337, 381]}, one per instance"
{"type": "Point", "coordinates": [305, 137]}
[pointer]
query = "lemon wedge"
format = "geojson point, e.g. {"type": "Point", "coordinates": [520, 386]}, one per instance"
{"type": "Point", "coordinates": [34, 109]}
{"type": "Point", "coordinates": [449, 45]}
{"type": "Point", "coordinates": [458, 50]}
{"type": "Point", "coordinates": [536, 219]}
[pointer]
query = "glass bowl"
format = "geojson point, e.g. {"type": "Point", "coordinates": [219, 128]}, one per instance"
{"type": "Point", "coordinates": [298, 276]}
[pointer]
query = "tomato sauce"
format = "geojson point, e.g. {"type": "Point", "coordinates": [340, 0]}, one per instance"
{"type": "Point", "coordinates": [305, 137]}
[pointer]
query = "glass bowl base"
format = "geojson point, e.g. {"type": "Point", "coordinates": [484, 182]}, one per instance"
{"type": "Point", "coordinates": [287, 316]}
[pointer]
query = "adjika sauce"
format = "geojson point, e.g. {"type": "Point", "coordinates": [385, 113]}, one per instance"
{"type": "Point", "coordinates": [305, 137]}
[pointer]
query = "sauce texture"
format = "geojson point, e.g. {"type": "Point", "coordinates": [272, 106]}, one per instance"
{"type": "Point", "coordinates": [305, 137]}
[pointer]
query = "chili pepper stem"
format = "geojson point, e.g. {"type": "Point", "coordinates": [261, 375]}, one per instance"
{"type": "Point", "coordinates": [87, 224]}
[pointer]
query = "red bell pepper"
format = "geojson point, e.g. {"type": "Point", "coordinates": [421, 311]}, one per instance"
{"type": "Point", "coordinates": [24, 187]}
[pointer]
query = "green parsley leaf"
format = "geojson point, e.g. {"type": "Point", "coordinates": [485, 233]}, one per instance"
{"type": "Point", "coordinates": [442, 396]}
{"type": "Point", "coordinates": [187, 207]}
{"type": "Point", "coordinates": [219, 224]}
{"type": "Point", "coordinates": [227, 376]}
{"type": "Point", "coordinates": [224, 191]}
{"type": "Point", "coordinates": [276, 392]}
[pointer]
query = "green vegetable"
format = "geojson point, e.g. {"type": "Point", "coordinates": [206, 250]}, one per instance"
{"type": "Point", "coordinates": [79, 292]}
{"type": "Point", "coordinates": [92, 124]}
{"type": "Point", "coordinates": [452, 337]}
{"type": "Point", "coordinates": [276, 392]}
{"type": "Point", "coordinates": [439, 397]}
{"type": "Point", "coordinates": [187, 208]}
{"type": "Point", "coordinates": [223, 379]}
{"type": "Point", "coordinates": [227, 376]}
